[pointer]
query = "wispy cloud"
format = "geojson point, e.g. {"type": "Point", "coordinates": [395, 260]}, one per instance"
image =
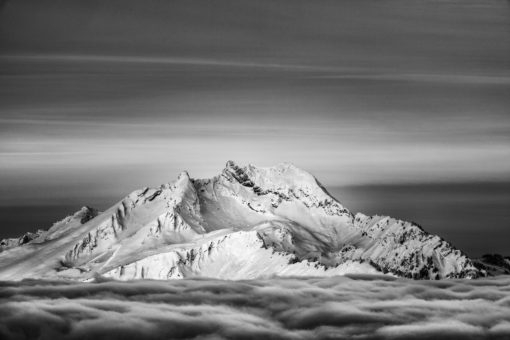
{"type": "Point", "coordinates": [444, 77]}
{"type": "Point", "coordinates": [167, 60]}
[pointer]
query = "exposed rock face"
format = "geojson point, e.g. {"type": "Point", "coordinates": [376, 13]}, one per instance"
{"type": "Point", "coordinates": [494, 264]}
{"type": "Point", "coordinates": [247, 222]}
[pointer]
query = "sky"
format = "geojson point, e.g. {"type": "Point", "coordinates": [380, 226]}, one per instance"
{"type": "Point", "coordinates": [99, 98]}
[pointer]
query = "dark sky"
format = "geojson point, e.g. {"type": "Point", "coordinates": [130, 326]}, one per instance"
{"type": "Point", "coordinates": [98, 98]}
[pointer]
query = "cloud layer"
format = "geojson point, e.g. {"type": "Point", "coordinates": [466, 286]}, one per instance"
{"type": "Point", "coordinates": [359, 307]}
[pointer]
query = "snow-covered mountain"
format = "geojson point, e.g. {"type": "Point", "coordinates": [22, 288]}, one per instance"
{"type": "Point", "coordinates": [247, 222]}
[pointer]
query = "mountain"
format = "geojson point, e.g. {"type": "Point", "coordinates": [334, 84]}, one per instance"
{"type": "Point", "coordinates": [247, 222]}
{"type": "Point", "coordinates": [494, 264]}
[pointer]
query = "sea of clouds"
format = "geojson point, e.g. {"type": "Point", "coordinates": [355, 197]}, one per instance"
{"type": "Point", "coordinates": [350, 307]}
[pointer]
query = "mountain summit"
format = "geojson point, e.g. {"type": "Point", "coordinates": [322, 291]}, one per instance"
{"type": "Point", "coordinates": [247, 222]}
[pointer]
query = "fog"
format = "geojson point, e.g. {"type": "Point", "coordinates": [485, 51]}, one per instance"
{"type": "Point", "coordinates": [361, 307]}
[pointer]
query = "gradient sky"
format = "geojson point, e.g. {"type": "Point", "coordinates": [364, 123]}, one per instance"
{"type": "Point", "coordinates": [98, 98]}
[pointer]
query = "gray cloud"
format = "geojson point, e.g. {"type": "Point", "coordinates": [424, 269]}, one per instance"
{"type": "Point", "coordinates": [363, 307]}
{"type": "Point", "coordinates": [334, 87]}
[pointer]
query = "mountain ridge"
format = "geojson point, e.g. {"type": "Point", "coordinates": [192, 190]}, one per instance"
{"type": "Point", "coordinates": [246, 222]}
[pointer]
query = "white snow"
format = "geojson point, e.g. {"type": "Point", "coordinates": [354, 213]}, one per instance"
{"type": "Point", "coordinates": [247, 222]}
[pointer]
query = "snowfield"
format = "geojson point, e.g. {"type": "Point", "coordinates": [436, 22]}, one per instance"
{"type": "Point", "coordinates": [245, 223]}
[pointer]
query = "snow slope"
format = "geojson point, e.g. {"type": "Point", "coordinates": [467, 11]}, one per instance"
{"type": "Point", "coordinates": [247, 222]}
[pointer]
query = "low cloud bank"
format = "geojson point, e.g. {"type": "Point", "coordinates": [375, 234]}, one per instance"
{"type": "Point", "coordinates": [359, 307]}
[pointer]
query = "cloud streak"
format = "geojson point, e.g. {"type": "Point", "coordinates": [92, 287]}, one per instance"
{"type": "Point", "coordinates": [163, 60]}
{"type": "Point", "coordinates": [361, 307]}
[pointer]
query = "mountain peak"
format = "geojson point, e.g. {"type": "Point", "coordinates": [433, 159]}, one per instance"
{"type": "Point", "coordinates": [183, 175]}
{"type": "Point", "coordinates": [283, 176]}
{"type": "Point", "coordinates": [86, 213]}
{"type": "Point", "coordinates": [281, 168]}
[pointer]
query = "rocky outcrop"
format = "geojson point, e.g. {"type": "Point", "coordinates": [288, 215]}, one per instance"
{"type": "Point", "coordinates": [493, 264]}
{"type": "Point", "coordinates": [58, 229]}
